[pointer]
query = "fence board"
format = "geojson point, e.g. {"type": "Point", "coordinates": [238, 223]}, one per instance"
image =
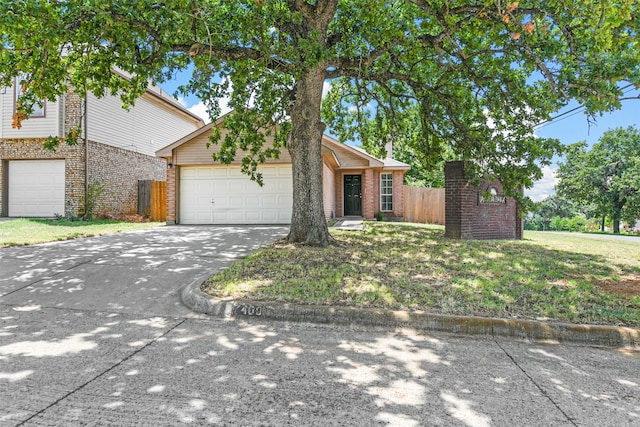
{"type": "Point", "coordinates": [158, 201]}
{"type": "Point", "coordinates": [144, 197]}
{"type": "Point", "coordinates": [424, 205]}
{"type": "Point", "coordinates": [152, 199]}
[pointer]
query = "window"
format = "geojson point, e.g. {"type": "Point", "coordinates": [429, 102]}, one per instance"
{"type": "Point", "coordinates": [386, 192]}
{"type": "Point", "coordinates": [38, 111]}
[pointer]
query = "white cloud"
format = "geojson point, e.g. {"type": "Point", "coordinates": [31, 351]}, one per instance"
{"type": "Point", "coordinates": [326, 87]}
{"type": "Point", "coordinates": [545, 187]}
{"type": "Point", "coordinates": [200, 109]}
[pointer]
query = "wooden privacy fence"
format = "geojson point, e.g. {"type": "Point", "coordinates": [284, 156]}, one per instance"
{"type": "Point", "coordinates": [424, 205]}
{"type": "Point", "coordinates": [152, 199]}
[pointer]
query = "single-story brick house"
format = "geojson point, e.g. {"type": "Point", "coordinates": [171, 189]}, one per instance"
{"type": "Point", "coordinates": [120, 150]}
{"type": "Point", "coordinates": [201, 192]}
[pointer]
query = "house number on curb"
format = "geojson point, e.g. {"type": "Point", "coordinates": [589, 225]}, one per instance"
{"type": "Point", "coordinates": [248, 310]}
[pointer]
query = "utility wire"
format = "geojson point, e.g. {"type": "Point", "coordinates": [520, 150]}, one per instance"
{"type": "Point", "coordinates": [576, 110]}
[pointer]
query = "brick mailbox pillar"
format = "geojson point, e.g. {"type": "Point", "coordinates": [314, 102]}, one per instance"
{"type": "Point", "coordinates": [478, 211]}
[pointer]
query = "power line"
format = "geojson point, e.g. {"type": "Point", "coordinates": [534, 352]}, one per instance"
{"type": "Point", "coordinates": [575, 110]}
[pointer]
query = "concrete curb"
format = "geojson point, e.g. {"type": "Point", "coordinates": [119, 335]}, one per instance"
{"type": "Point", "coordinates": [566, 333]}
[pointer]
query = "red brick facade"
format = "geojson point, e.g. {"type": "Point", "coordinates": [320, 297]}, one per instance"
{"type": "Point", "coordinates": [120, 170]}
{"type": "Point", "coordinates": [470, 213]}
{"type": "Point", "coordinates": [371, 192]}
{"type": "Point", "coordinates": [172, 203]}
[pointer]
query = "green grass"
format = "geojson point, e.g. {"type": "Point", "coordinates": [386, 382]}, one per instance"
{"type": "Point", "coordinates": [30, 231]}
{"type": "Point", "coordinates": [547, 276]}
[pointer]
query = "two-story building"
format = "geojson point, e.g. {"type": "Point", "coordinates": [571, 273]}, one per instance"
{"type": "Point", "coordinates": [116, 149]}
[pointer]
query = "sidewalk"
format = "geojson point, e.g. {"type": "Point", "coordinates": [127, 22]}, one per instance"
{"type": "Point", "coordinates": [349, 223]}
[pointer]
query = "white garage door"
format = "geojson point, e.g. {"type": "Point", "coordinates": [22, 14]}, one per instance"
{"type": "Point", "coordinates": [223, 195]}
{"type": "Point", "coordinates": [36, 188]}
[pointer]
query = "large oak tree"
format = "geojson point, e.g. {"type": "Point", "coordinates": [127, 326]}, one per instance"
{"type": "Point", "coordinates": [474, 76]}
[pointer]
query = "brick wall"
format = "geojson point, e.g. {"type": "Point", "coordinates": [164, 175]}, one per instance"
{"type": "Point", "coordinates": [72, 111]}
{"type": "Point", "coordinates": [469, 216]}
{"type": "Point", "coordinates": [369, 195]}
{"type": "Point", "coordinates": [119, 171]}
{"type": "Point", "coordinates": [371, 192]}
{"type": "Point", "coordinates": [172, 203]}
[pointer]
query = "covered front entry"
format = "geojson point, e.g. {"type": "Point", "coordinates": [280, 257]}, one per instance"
{"type": "Point", "coordinates": [353, 195]}
{"type": "Point", "coordinates": [224, 195]}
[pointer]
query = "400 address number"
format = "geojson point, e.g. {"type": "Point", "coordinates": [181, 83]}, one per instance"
{"type": "Point", "coordinates": [248, 310]}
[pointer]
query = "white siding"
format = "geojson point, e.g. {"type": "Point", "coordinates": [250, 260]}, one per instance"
{"type": "Point", "coordinates": [148, 126]}
{"type": "Point", "coordinates": [196, 152]}
{"type": "Point", "coordinates": [36, 127]}
{"type": "Point", "coordinates": [328, 191]}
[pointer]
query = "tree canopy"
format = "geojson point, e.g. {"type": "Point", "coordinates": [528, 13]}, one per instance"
{"type": "Point", "coordinates": [607, 175]}
{"type": "Point", "coordinates": [554, 207]}
{"type": "Point", "coordinates": [469, 79]}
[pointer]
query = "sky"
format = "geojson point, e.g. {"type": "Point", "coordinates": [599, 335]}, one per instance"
{"type": "Point", "coordinates": [570, 127]}
{"type": "Point", "coordinates": [574, 127]}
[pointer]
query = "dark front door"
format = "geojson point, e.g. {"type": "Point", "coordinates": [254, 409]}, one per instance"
{"type": "Point", "coordinates": [353, 194]}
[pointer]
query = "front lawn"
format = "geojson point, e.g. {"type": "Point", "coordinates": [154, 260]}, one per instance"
{"type": "Point", "coordinates": [408, 266]}
{"type": "Point", "coordinates": [29, 231]}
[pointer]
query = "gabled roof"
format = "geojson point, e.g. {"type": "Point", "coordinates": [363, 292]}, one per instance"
{"type": "Point", "coordinates": [387, 163]}
{"type": "Point", "coordinates": [336, 148]}
{"type": "Point", "coordinates": [335, 145]}
{"type": "Point", "coordinates": [390, 163]}
{"type": "Point", "coordinates": [165, 98]}
{"type": "Point", "coordinates": [168, 150]}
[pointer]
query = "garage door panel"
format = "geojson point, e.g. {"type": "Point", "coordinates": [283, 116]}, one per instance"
{"type": "Point", "coordinates": [253, 216]}
{"type": "Point", "coordinates": [270, 202]}
{"type": "Point", "coordinates": [237, 202]}
{"type": "Point", "coordinates": [236, 199]}
{"type": "Point", "coordinates": [252, 203]}
{"type": "Point", "coordinates": [236, 186]}
{"type": "Point", "coordinates": [189, 173]}
{"type": "Point", "coordinates": [36, 188]}
{"type": "Point", "coordinates": [271, 216]}
{"type": "Point", "coordinates": [285, 200]}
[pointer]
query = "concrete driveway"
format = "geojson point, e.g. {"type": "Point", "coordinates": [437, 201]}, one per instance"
{"type": "Point", "coordinates": [92, 333]}
{"type": "Point", "coordinates": [136, 272]}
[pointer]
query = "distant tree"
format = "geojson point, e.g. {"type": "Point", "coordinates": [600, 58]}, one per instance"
{"type": "Point", "coordinates": [406, 138]}
{"type": "Point", "coordinates": [542, 213]}
{"type": "Point", "coordinates": [607, 176]}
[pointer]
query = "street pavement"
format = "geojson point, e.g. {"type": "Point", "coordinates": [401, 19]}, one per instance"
{"type": "Point", "coordinates": [92, 332]}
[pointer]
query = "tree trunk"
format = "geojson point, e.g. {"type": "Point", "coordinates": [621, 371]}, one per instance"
{"type": "Point", "coordinates": [617, 215]}
{"type": "Point", "coordinates": [308, 224]}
